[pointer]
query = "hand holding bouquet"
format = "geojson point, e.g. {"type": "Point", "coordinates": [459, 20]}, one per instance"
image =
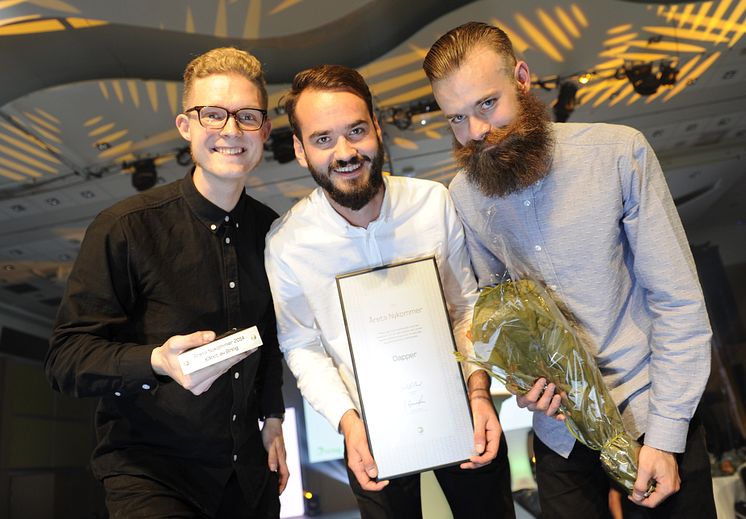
{"type": "Point", "coordinates": [519, 336]}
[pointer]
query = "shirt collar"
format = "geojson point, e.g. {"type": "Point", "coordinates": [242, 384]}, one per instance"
{"type": "Point", "coordinates": [206, 212]}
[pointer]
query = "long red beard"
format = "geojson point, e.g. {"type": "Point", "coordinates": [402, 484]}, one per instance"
{"type": "Point", "coordinates": [513, 157]}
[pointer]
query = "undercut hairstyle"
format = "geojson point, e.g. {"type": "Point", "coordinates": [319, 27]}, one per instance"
{"type": "Point", "coordinates": [225, 60]}
{"type": "Point", "coordinates": [336, 78]}
{"type": "Point", "coordinates": [448, 53]}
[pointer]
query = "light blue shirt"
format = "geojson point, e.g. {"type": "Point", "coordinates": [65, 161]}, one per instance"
{"type": "Point", "coordinates": [602, 232]}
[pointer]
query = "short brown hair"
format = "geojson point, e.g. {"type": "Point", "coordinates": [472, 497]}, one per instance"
{"type": "Point", "coordinates": [447, 54]}
{"type": "Point", "coordinates": [225, 60]}
{"type": "Point", "coordinates": [326, 77]}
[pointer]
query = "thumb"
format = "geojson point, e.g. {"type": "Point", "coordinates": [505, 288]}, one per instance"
{"type": "Point", "coordinates": [371, 469]}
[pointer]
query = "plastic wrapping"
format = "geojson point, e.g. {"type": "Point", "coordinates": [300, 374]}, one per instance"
{"type": "Point", "coordinates": [519, 336]}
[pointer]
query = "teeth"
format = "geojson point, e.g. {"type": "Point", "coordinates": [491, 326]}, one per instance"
{"type": "Point", "coordinates": [229, 151]}
{"type": "Point", "coordinates": [347, 169]}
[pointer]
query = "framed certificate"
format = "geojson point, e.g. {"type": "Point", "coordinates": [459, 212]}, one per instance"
{"type": "Point", "coordinates": [412, 394]}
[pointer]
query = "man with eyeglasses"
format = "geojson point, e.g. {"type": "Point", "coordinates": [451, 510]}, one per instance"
{"type": "Point", "coordinates": [163, 272]}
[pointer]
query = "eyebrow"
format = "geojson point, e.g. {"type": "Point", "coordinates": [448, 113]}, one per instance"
{"type": "Point", "coordinates": [321, 133]}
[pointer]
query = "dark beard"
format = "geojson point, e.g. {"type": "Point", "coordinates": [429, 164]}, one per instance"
{"type": "Point", "coordinates": [361, 192]}
{"type": "Point", "coordinates": [522, 153]}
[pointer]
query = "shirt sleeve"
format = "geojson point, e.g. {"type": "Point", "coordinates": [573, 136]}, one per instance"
{"type": "Point", "coordinates": [663, 265]}
{"type": "Point", "coordinates": [459, 286]}
{"type": "Point", "coordinates": [89, 354]}
{"type": "Point", "coordinates": [319, 380]}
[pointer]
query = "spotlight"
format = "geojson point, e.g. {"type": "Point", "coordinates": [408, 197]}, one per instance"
{"type": "Point", "coordinates": [183, 156]}
{"type": "Point", "coordinates": [584, 78]}
{"type": "Point", "coordinates": [668, 73]}
{"type": "Point", "coordinates": [565, 102]}
{"type": "Point", "coordinates": [402, 119]}
{"type": "Point", "coordinates": [145, 175]}
{"type": "Point", "coordinates": [643, 80]}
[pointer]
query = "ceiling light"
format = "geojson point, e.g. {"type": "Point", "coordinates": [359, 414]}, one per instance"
{"type": "Point", "coordinates": [145, 175]}
{"type": "Point", "coordinates": [566, 102]}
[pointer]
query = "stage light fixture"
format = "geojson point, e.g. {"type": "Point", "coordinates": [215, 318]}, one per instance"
{"type": "Point", "coordinates": [643, 80]}
{"type": "Point", "coordinates": [668, 73]}
{"type": "Point", "coordinates": [566, 101]}
{"type": "Point", "coordinates": [144, 175]}
{"type": "Point", "coordinates": [401, 118]}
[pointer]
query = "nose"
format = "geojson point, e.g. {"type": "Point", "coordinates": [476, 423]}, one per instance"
{"type": "Point", "coordinates": [478, 128]}
{"type": "Point", "coordinates": [343, 150]}
{"type": "Point", "coordinates": [231, 127]}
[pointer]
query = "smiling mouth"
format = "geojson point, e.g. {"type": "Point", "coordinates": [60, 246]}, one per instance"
{"type": "Point", "coordinates": [228, 151]}
{"type": "Point", "coordinates": [350, 168]}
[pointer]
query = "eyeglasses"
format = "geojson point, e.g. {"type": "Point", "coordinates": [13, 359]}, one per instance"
{"type": "Point", "coordinates": [216, 117]}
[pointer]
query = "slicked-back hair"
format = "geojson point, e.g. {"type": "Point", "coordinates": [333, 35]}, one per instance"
{"type": "Point", "coordinates": [225, 60]}
{"type": "Point", "coordinates": [336, 78]}
{"type": "Point", "coordinates": [448, 53]}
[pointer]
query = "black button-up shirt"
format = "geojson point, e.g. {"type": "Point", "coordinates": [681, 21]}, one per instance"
{"type": "Point", "coordinates": [162, 263]}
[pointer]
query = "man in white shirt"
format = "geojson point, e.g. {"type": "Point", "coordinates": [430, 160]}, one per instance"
{"type": "Point", "coordinates": [357, 219]}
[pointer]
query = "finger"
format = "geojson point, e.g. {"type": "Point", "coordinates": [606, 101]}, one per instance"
{"type": "Point", "coordinates": [535, 392]}
{"type": "Point", "coordinates": [284, 475]}
{"type": "Point", "coordinates": [480, 439]}
{"type": "Point", "coordinates": [184, 342]}
{"type": "Point", "coordinates": [554, 405]}
{"type": "Point", "coordinates": [272, 457]}
{"type": "Point", "coordinates": [546, 398]}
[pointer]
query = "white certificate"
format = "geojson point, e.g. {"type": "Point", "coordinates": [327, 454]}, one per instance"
{"type": "Point", "coordinates": [412, 394]}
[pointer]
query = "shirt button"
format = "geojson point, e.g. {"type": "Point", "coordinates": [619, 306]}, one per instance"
{"type": "Point", "coordinates": [527, 203]}
{"type": "Point", "coordinates": [232, 284]}
{"type": "Point", "coordinates": [233, 419]}
{"type": "Point", "coordinates": [537, 248]}
{"type": "Point", "coordinates": [213, 227]}
{"type": "Point", "coordinates": [227, 218]}
{"type": "Point", "coordinates": [117, 393]}
{"type": "Point", "coordinates": [227, 240]}
{"type": "Point", "coordinates": [146, 386]}
{"type": "Point", "coordinates": [236, 375]}
{"type": "Point", "coordinates": [235, 457]}
{"type": "Point", "coordinates": [236, 225]}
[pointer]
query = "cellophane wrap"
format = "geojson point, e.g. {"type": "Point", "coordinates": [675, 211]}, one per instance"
{"type": "Point", "coordinates": [520, 335]}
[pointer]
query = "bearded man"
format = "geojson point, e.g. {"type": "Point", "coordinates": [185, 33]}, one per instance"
{"type": "Point", "coordinates": [358, 218]}
{"type": "Point", "coordinates": [586, 209]}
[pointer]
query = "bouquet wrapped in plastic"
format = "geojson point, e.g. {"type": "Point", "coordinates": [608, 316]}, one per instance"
{"type": "Point", "coordinates": [520, 335]}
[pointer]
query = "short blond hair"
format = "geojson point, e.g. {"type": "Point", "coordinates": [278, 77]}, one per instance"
{"type": "Point", "coordinates": [225, 60]}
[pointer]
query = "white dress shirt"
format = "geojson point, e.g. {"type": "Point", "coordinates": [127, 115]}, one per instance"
{"type": "Point", "coordinates": [312, 244]}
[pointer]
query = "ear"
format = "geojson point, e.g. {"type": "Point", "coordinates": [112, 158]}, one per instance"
{"type": "Point", "coordinates": [182, 124]}
{"type": "Point", "coordinates": [522, 76]}
{"type": "Point", "coordinates": [300, 152]}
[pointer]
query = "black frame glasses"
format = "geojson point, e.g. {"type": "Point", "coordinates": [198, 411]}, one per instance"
{"type": "Point", "coordinates": [219, 125]}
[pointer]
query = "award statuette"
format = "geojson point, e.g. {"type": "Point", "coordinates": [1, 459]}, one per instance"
{"type": "Point", "coordinates": [412, 394]}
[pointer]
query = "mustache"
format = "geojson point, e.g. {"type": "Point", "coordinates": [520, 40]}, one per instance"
{"type": "Point", "coordinates": [500, 140]}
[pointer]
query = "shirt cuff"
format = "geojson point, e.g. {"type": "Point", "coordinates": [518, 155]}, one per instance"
{"type": "Point", "coordinates": [137, 372]}
{"type": "Point", "coordinates": [335, 410]}
{"type": "Point", "coordinates": [666, 434]}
